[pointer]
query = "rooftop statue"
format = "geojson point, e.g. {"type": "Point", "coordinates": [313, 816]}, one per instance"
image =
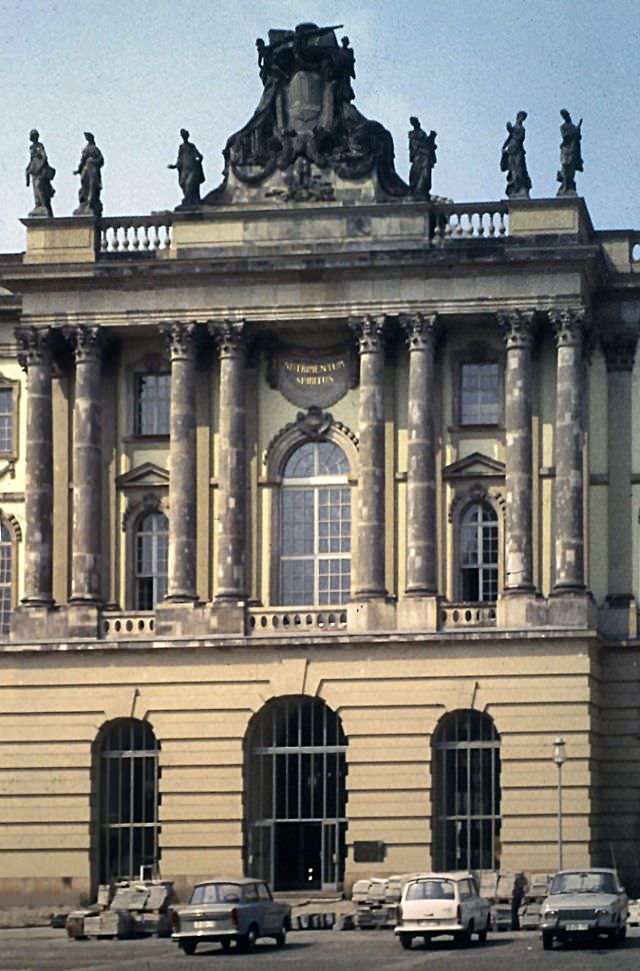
{"type": "Point", "coordinates": [306, 133]}
{"type": "Point", "coordinates": [89, 170]}
{"type": "Point", "coordinates": [513, 160]}
{"type": "Point", "coordinates": [570, 155]}
{"type": "Point", "coordinates": [39, 175]}
{"type": "Point", "coordinates": [422, 155]}
{"type": "Point", "coordinates": [190, 172]}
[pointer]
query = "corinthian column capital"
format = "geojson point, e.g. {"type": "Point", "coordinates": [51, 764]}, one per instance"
{"type": "Point", "coordinates": [569, 325]}
{"type": "Point", "coordinates": [179, 338]}
{"type": "Point", "coordinates": [420, 330]}
{"type": "Point", "coordinates": [620, 351]}
{"type": "Point", "coordinates": [518, 327]}
{"type": "Point", "coordinates": [368, 332]}
{"type": "Point", "coordinates": [229, 336]}
{"type": "Point", "coordinates": [86, 343]}
{"type": "Point", "coordinates": [34, 346]}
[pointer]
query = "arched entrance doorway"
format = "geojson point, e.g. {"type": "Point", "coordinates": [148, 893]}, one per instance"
{"type": "Point", "coordinates": [295, 795]}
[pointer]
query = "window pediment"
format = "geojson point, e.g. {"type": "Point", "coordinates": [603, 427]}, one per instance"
{"type": "Point", "coordinates": [474, 466]}
{"type": "Point", "coordinates": [145, 476]}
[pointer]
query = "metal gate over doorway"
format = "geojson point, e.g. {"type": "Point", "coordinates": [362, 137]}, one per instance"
{"type": "Point", "coordinates": [295, 772]}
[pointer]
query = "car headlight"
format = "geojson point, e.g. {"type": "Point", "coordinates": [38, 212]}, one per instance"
{"type": "Point", "coordinates": [549, 914]}
{"type": "Point", "coordinates": [603, 912]}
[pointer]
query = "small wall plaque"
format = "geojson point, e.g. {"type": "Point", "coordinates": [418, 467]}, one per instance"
{"type": "Point", "coordinates": [369, 851]}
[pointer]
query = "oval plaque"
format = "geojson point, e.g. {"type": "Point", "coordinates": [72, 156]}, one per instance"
{"type": "Point", "coordinates": [313, 377]}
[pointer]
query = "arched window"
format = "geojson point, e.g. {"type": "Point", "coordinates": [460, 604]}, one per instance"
{"type": "Point", "coordinates": [151, 557]}
{"type": "Point", "coordinates": [466, 792]}
{"type": "Point", "coordinates": [6, 576]}
{"type": "Point", "coordinates": [479, 554]}
{"type": "Point", "coordinates": [126, 773]}
{"type": "Point", "coordinates": [295, 803]}
{"type": "Point", "coordinates": [315, 527]}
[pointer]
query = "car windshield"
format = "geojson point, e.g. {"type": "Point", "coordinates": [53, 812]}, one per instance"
{"type": "Point", "coordinates": [431, 890]}
{"type": "Point", "coordinates": [584, 881]}
{"type": "Point", "coordinates": [216, 893]}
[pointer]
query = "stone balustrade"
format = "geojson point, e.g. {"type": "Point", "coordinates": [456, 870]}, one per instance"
{"type": "Point", "coordinates": [135, 234]}
{"type": "Point", "coordinates": [467, 615]}
{"type": "Point", "coordinates": [471, 220]}
{"type": "Point", "coordinates": [127, 624]}
{"type": "Point", "coordinates": [283, 620]}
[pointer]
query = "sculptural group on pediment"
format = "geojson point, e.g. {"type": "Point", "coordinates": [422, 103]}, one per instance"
{"type": "Point", "coordinates": [306, 140]}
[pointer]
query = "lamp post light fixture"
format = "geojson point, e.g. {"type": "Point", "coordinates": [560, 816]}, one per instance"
{"type": "Point", "coordinates": [559, 757]}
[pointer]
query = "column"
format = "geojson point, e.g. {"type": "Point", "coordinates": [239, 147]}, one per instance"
{"type": "Point", "coordinates": [232, 472]}
{"type": "Point", "coordinates": [422, 577]}
{"type": "Point", "coordinates": [370, 578]}
{"type": "Point", "coordinates": [568, 326]}
{"type": "Point", "coordinates": [87, 468]}
{"type": "Point", "coordinates": [181, 584]}
{"type": "Point", "coordinates": [517, 329]}
{"type": "Point", "coordinates": [619, 353]}
{"type": "Point", "coordinates": [35, 356]}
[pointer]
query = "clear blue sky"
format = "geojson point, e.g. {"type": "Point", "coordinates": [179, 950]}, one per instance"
{"type": "Point", "coordinates": [135, 71]}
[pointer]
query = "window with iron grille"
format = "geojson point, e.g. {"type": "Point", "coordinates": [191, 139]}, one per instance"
{"type": "Point", "coordinates": [479, 554]}
{"type": "Point", "coordinates": [315, 527]}
{"type": "Point", "coordinates": [127, 777]}
{"type": "Point", "coordinates": [466, 792]}
{"type": "Point", "coordinates": [480, 394]}
{"type": "Point", "coordinates": [152, 404]}
{"type": "Point", "coordinates": [152, 554]}
{"type": "Point", "coordinates": [6, 576]}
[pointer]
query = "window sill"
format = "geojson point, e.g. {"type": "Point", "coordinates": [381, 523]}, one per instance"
{"type": "Point", "coordinates": [145, 439]}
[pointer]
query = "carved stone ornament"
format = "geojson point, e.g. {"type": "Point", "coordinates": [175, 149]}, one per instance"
{"type": "Point", "coordinates": [569, 325]}
{"type": "Point", "coordinates": [311, 377]}
{"type": "Point", "coordinates": [305, 131]}
{"type": "Point", "coordinates": [518, 327]}
{"type": "Point", "coordinates": [369, 333]}
{"type": "Point", "coordinates": [228, 335]}
{"type": "Point", "coordinates": [34, 346]}
{"type": "Point", "coordinates": [180, 339]}
{"type": "Point", "coordinates": [477, 493]}
{"type": "Point", "coordinates": [150, 502]}
{"type": "Point", "coordinates": [420, 330]}
{"type": "Point", "coordinates": [86, 342]}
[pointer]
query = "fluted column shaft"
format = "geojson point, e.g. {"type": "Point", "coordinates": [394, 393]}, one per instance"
{"type": "Point", "coordinates": [517, 329]}
{"type": "Point", "coordinates": [232, 462]}
{"type": "Point", "coordinates": [422, 577]}
{"type": "Point", "coordinates": [619, 353]}
{"type": "Point", "coordinates": [35, 357]}
{"type": "Point", "coordinates": [181, 585]}
{"type": "Point", "coordinates": [87, 468]}
{"type": "Point", "coordinates": [568, 326]}
{"type": "Point", "coordinates": [370, 577]}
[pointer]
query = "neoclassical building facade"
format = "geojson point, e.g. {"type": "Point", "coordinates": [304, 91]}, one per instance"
{"type": "Point", "coordinates": [319, 523]}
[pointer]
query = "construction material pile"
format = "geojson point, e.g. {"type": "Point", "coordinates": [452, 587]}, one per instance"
{"type": "Point", "coordinates": [131, 908]}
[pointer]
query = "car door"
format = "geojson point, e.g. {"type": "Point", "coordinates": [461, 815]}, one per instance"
{"type": "Point", "coordinates": [270, 910]}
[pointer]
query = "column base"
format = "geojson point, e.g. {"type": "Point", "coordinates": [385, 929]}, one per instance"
{"type": "Point", "coordinates": [180, 619]}
{"type": "Point", "coordinates": [418, 613]}
{"type": "Point", "coordinates": [33, 622]}
{"type": "Point", "coordinates": [518, 610]}
{"type": "Point", "coordinates": [618, 619]}
{"type": "Point", "coordinates": [572, 609]}
{"type": "Point", "coordinates": [375, 614]}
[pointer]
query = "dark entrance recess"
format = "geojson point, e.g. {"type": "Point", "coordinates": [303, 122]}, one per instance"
{"type": "Point", "coordinates": [295, 795]}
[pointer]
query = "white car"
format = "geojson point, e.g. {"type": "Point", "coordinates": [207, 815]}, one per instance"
{"type": "Point", "coordinates": [584, 904]}
{"type": "Point", "coordinates": [435, 904]}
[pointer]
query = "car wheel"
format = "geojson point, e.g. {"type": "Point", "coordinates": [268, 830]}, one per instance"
{"type": "Point", "coordinates": [622, 934]}
{"type": "Point", "coordinates": [405, 941]}
{"type": "Point", "coordinates": [547, 940]}
{"type": "Point", "coordinates": [281, 938]}
{"type": "Point", "coordinates": [188, 946]}
{"type": "Point", "coordinates": [225, 943]}
{"type": "Point", "coordinates": [482, 935]}
{"type": "Point", "coordinates": [463, 938]}
{"type": "Point", "coordinates": [248, 941]}
{"type": "Point", "coordinates": [427, 940]}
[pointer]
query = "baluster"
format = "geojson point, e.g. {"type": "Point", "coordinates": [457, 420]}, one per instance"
{"type": "Point", "coordinates": [492, 224]}
{"type": "Point", "coordinates": [481, 216]}
{"type": "Point", "coordinates": [169, 235]}
{"type": "Point", "coordinates": [448, 228]}
{"type": "Point", "coordinates": [501, 224]}
{"type": "Point", "coordinates": [104, 245]}
{"type": "Point", "coordinates": [459, 230]}
{"type": "Point", "coordinates": [146, 241]}
{"type": "Point", "coordinates": [470, 230]}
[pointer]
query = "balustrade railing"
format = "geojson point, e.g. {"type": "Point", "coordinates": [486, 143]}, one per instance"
{"type": "Point", "coordinates": [283, 620]}
{"type": "Point", "coordinates": [467, 615]}
{"type": "Point", "coordinates": [135, 234]}
{"type": "Point", "coordinates": [469, 220]}
{"type": "Point", "coordinates": [120, 626]}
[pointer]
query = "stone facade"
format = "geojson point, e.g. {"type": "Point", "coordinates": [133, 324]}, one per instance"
{"type": "Point", "coordinates": [490, 374]}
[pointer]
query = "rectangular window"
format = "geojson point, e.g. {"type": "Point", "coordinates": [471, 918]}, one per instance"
{"type": "Point", "coordinates": [152, 404]}
{"type": "Point", "coordinates": [6, 419]}
{"type": "Point", "coordinates": [479, 394]}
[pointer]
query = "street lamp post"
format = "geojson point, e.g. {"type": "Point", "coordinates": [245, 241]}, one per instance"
{"type": "Point", "coordinates": [559, 758]}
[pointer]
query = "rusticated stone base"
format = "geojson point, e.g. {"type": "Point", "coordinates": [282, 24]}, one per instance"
{"type": "Point", "coordinates": [200, 619]}
{"type": "Point", "coordinates": [418, 613]}
{"type": "Point", "coordinates": [371, 615]}
{"type": "Point", "coordinates": [618, 619]}
{"type": "Point", "coordinates": [31, 623]}
{"type": "Point", "coordinates": [521, 610]}
{"type": "Point", "coordinates": [572, 610]}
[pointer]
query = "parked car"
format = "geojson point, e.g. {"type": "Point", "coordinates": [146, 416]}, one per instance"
{"type": "Point", "coordinates": [230, 909]}
{"type": "Point", "coordinates": [584, 903]}
{"type": "Point", "coordinates": [435, 904]}
{"type": "Point", "coordinates": [634, 913]}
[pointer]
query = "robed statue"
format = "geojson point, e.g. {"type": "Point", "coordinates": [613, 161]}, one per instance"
{"type": "Point", "coordinates": [39, 174]}
{"type": "Point", "coordinates": [570, 155]}
{"type": "Point", "coordinates": [422, 156]}
{"type": "Point", "coordinates": [513, 159]}
{"type": "Point", "coordinates": [90, 172]}
{"type": "Point", "coordinates": [190, 172]}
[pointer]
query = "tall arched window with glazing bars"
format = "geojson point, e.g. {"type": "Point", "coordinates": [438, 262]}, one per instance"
{"type": "Point", "coordinates": [126, 776]}
{"type": "Point", "coordinates": [466, 792]}
{"type": "Point", "coordinates": [7, 579]}
{"type": "Point", "coordinates": [315, 527]}
{"type": "Point", "coordinates": [479, 554]}
{"type": "Point", "coordinates": [151, 560]}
